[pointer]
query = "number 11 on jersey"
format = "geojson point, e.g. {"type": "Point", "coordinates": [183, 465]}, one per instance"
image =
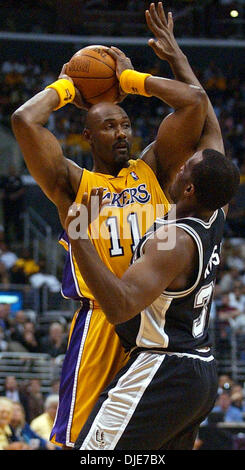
{"type": "Point", "coordinates": [116, 248]}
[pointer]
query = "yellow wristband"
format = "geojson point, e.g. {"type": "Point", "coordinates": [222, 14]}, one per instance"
{"type": "Point", "coordinates": [65, 90]}
{"type": "Point", "coordinates": [134, 82]}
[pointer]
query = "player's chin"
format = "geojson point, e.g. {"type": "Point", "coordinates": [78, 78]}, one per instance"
{"type": "Point", "coordinates": [121, 155]}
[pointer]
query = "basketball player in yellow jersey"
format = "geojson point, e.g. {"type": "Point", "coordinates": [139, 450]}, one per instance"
{"type": "Point", "coordinates": [94, 354]}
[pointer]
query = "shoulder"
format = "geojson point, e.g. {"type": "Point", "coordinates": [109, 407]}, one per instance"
{"type": "Point", "coordinates": [179, 238]}
{"type": "Point", "coordinates": [172, 246]}
{"type": "Point", "coordinates": [148, 156]}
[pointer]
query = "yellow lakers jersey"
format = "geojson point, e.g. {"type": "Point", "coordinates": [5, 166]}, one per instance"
{"type": "Point", "coordinates": [133, 199]}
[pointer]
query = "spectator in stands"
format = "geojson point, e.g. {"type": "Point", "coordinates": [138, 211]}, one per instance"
{"type": "Point", "coordinates": [30, 337]}
{"type": "Point", "coordinates": [33, 400]}
{"type": "Point", "coordinates": [237, 297]}
{"type": "Point", "coordinates": [22, 432]}
{"type": "Point", "coordinates": [6, 411]}
{"type": "Point", "coordinates": [55, 343]}
{"type": "Point", "coordinates": [26, 340]}
{"type": "Point", "coordinates": [43, 424]}
{"type": "Point", "coordinates": [225, 383]}
{"type": "Point", "coordinates": [11, 389]}
{"type": "Point", "coordinates": [229, 411]}
{"type": "Point", "coordinates": [226, 311]}
{"type": "Point", "coordinates": [18, 322]}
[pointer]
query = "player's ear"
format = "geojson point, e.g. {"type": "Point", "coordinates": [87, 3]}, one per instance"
{"type": "Point", "coordinates": [87, 134]}
{"type": "Point", "coordinates": [189, 190]}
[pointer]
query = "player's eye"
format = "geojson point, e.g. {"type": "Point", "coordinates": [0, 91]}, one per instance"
{"type": "Point", "coordinates": [126, 125]}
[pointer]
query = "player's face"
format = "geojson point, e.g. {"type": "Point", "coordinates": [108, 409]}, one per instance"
{"type": "Point", "coordinates": [183, 178]}
{"type": "Point", "coordinates": [111, 136]}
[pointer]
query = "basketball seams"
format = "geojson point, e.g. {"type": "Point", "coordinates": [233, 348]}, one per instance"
{"type": "Point", "coordinates": [92, 78]}
{"type": "Point", "coordinates": [87, 75]}
{"type": "Point", "coordinates": [99, 60]}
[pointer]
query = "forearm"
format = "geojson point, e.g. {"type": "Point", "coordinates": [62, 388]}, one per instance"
{"type": "Point", "coordinates": [41, 150]}
{"type": "Point", "coordinates": [109, 291]}
{"type": "Point", "coordinates": [175, 93]}
{"type": "Point", "coordinates": [38, 109]}
{"type": "Point", "coordinates": [182, 71]}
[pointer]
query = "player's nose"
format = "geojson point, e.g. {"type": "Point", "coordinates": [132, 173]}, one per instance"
{"type": "Point", "coordinates": [120, 132]}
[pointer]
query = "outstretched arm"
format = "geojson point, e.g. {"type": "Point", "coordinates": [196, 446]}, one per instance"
{"type": "Point", "coordinates": [166, 48]}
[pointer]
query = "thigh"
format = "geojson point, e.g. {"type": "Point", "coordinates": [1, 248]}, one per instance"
{"type": "Point", "coordinates": [152, 401]}
{"type": "Point", "coordinates": [93, 358]}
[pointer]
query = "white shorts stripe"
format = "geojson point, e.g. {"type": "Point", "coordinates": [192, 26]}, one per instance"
{"type": "Point", "coordinates": [74, 390]}
{"type": "Point", "coordinates": [118, 408]}
{"type": "Point", "coordinates": [193, 356]}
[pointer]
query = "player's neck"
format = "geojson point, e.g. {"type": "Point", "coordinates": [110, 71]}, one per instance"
{"type": "Point", "coordinates": [183, 211]}
{"type": "Point", "coordinates": [106, 169]}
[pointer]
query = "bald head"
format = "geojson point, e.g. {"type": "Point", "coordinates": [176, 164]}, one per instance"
{"type": "Point", "coordinates": [100, 112]}
{"type": "Point", "coordinates": [109, 133]}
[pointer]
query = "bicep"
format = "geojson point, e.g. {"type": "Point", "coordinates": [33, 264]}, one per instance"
{"type": "Point", "coordinates": [42, 153]}
{"type": "Point", "coordinates": [145, 282]}
{"type": "Point", "coordinates": [211, 136]}
{"type": "Point", "coordinates": [177, 139]}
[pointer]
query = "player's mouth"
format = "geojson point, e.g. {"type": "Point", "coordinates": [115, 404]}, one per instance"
{"type": "Point", "coordinates": [121, 146]}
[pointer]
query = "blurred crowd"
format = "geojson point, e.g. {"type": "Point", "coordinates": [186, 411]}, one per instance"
{"type": "Point", "coordinates": [224, 428]}
{"type": "Point", "coordinates": [26, 415]}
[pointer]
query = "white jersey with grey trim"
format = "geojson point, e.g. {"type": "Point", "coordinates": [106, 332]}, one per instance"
{"type": "Point", "coordinates": [178, 321]}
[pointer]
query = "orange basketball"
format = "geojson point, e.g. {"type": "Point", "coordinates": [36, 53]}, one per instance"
{"type": "Point", "coordinates": [93, 72]}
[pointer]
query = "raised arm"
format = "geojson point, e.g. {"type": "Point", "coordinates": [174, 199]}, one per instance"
{"type": "Point", "coordinates": [166, 48]}
{"type": "Point", "coordinates": [184, 144]}
{"type": "Point", "coordinates": [42, 152]}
